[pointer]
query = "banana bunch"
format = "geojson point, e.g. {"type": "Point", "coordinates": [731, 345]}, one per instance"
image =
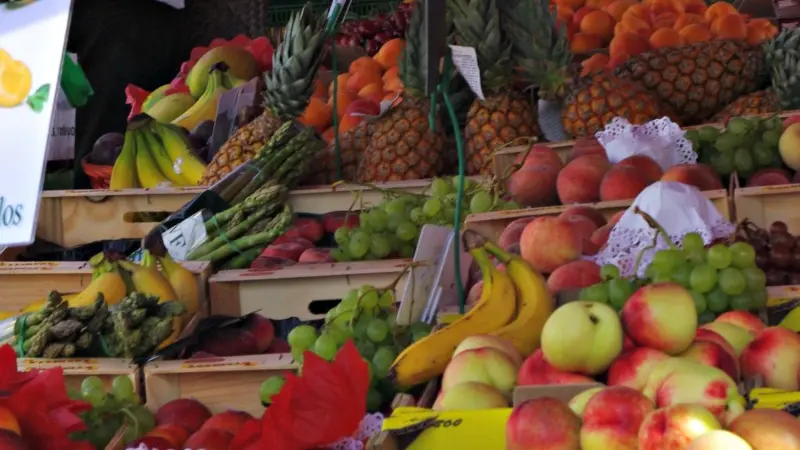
{"type": "Point", "coordinates": [769, 398]}
{"type": "Point", "coordinates": [156, 154]}
{"type": "Point", "coordinates": [205, 108]}
{"type": "Point", "coordinates": [513, 305]}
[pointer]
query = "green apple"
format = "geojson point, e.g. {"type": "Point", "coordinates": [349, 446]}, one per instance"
{"type": "Point", "coordinates": [579, 401]}
{"type": "Point", "coordinates": [583, 337]}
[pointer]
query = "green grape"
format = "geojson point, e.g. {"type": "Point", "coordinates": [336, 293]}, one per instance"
{"type": "Point", "coordinates": [391, 320]}
{"type": "Point", "coordinates": [440, 187]}
{"type": "Point", "coordinates": [719, 256]}
{"type": "Point", "coordinates": [377, 330]}
{"type": "Point", "coordinates": [662, 277]}
{"type": "Point", "coordinates": [609, 271]}
{"type": "Point", "coordinates": [366, 348]}
{"type": "Point", "coordinates": [122, 388]}
{"type": "Point", "coordinates": [683, 275]}
{"type": "Point", "coordinates": [92, 383]}
{"type": "Point", "coordinates": [326, 347]}
{"type": "Point", "coordinates": [407, 231]}
{"type": "Point", "coordinates": [619, 290]}
{"type": "Point", "coordinates": [718, 301]}
{"type": "Point", "coordinates": [374, 400]}
{"type": "Point", "coordinates": [723, 163]}
{"type": "Point", "coordinates": [650, 272]}
{"type": "Point", "coordinates": [386, 299]}
{"type": "Point", "coordinates": [74, 394]}
{"type": "Point", "coordinates": [368, 296]}
{"type": "Point", "coordinates": [695, 255]}
{"type": "Point", "coordinates": [343, 318]}
{"type": "Point", "coordinates": [762, 154]}
{"type": "Point", "coordinates": [726, 142]}
{"type": "Point", "coordinates": [512, 205]}
{"type": "Point", "coordinates": [700, 303]}
{"type": "Point", "coordinates": [302, 337]}
{"type": "Point", "coordinates": [449, 214]}
{"type": "Point", "coordinates": [771, 138]}
{"type": "Point", "coordinates": [340, 255]}
{"type": "Point", "coordinates": [394, 221]}
{"type": "Point", "coordinates": [706, 317]}
{"type": "Point", "coordinates": [271, 387]}
{"type": "Point", "coordinates": [395, 207]}
{"type": "Point", "coordinates": [382, 360]}
{"type": "Point", "coordinates": [377, 219]}
{"type": "Point", "coordinates": [342, 235]}
{"type": "Point", "coordinates": [418, 216]}
{"type": "Point", "coordinates": [337, 332]}
{"type": "Point", "coordinates": [667, 261]}
{"type": "Point", "coordinates": [743, 160]}
{"type": "Point", "coordinates": [363, 221]}
{"type": "Point", "coordinates": [419, 330]}
{"type": "Point", "coordinates": [743, 255]}
{"type": "Point", "coordinates": [432, 207]}
{"type": "Point", "coordinates": [703, 278]}
{"type": "Point", "coordinates": [708, 134]}
{"type": "Point", "coordinates": [349, 301]}
{"type": "Point", "coordinates": [406, 251]}
{"type": "Point", "coordinates": [297, 355]}
{"type": "Point", "coordinates": [693, 241]}
{"type": "Point", "coordinates": [597, 292]}
{"type": "Point", "coordinates": [480, 202]}
{"type": "Point", "coordinates": [380, 246]}
{"type": "Point", "coordinates": [741, 302]}
{"type": "Point", "coordinates": [144, 417]}
{"type": "Point", "coordinates": [758, 300]}
{"type": "Point", "coordinates": [731, 281]}
{"type": "Point", "coordinates": [739, 125]}
{"type": "Point", "coordinates": [96, 397]}
{"type": "Point", "coordinates": [359, 244]}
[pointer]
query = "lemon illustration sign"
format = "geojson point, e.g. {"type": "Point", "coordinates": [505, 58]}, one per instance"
{"type": "Point", "coordinates": [30, 68]}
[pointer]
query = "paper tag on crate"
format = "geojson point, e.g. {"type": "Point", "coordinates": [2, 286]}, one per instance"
{"type": "Point", "coordinates": [466, 61]}
{"type": "Point", "coordinates": [185, 236]}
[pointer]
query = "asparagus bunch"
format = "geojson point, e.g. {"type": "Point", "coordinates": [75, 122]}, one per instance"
{"type": "Point", "coordinates": [138, 324]}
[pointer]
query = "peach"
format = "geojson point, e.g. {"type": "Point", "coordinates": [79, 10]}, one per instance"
{"type": "Point", "coordinates": [775, 356]}
{"type": "Point", "coordinates": [174, 433]}
{"type": "Point", "coordinates": [680, 380]}
{"type": "Point", "coordinates": [548, 243]}
{"type": "Point", "coordinates": [769, 177]}
{"type": "Point", "coordinates": [540, 155]}
{"type": "Point", "coordinates": [719, 439]}
{"type": "Point", "coordinates": [600, 236]}
{"type": "Point", "coordinates": [8, 421]}
{"type": "Point", "coordinates": [649, 314]}
{"type": "Point", "coordinates": [585, 211]}
{"type": "Point", "coordinates": [513, 232]}
{"type": "Point", "coordinates": [278, 345]}
{"type": "Point", "coordinates": [282, 239]}
{"type": "Point", "coordinates": [488, 341]}
{"type": "Point", "coordinates": [482, 365]}
{"type": "Point", "coordinates": [693, 175]}
{"type": "Point", "coordinates": [315, 255]}
{"type": "Point", "coordinates": [627, 344]}
{"type": "Point", "coordinates": [210, 439]}
{"type": "Point", "coordinates": [534, 185]}
{"type": "Point", "coordinates": [578, 402]}
{"type": "Point", "coordinates": [308, 228]}
{"type": "Point", "coordinates": [287, 250]}
{"type": "Point", "coordinates": [710, 336]}
{"type": "Point", "coordinates": [767, 429]}
{"type": "Point", "coordinates": [579, 181]}
{"type": "Point", "coordinates": [468, 396]}
{"type": "Point", "coordinates": [230, 421]}
{"type": "Point", "coordinates": [262, 330]}
{"type": "Point", "coordinates": [229, 342]}
{"type": "Point", "coordinates": [675, 427]}
{"type": "Point", "coordinates": [631, 369]}
{"type": "Point", "coordinates": [535, 371]}
{"type": "Point", "coordinates": [584, 227]}
{"type": "Point", "coordinates": [186, 412]}
{"type": "Point", "coordinates": [738, 337]}
{"type": "Point", "coordinates": [743, 319]}
{"type": "Point", "coordinates": [622, 183]}
{"type": "Point", "coordinates": [332, 221]}
{"type": "Point", "coordinates": [574, 275]}
{"type": "Point", "coordinates": [645, 165]}
{"type": "Point", "coordinates": [714, 355]}
{"type": "Point", "coordinates": [616, 217]}
{"type": "Point", "coordinates": [587, 145]}
{"type": "Point", "coordinates": [544, 424]}
{"type": "Point", "coordinates": [612, 417]}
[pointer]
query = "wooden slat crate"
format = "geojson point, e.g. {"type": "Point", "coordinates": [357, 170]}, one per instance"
{"type": "Point", "coordinates": [780, 301]}
{"type": "Point", "coordinates": [22, 283]}
{"type": "Point", "coordinates": [491, 224]}
{"type": "Point", "coordinates": [766, 204]}
{"type": "Point", "coordinates": [290, 291]}
{"type": "Point", "coordinates": [219, 383]}
{"type": "Point", "coordinates": [324, 199]}
{"type": "Point", "coordinates": [76, 369]}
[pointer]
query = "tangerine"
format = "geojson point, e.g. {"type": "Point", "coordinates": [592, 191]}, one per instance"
{"type": "Point", "coordinates": [584, 43]}
{"type": "Point", "coordinates": [317, 114]}
{"type": "Point", "coordinates": [389, 54]}
{"type": "Point", "coordinates": [341, 83]}
{"type": "Point", "coordinates": [718, 10]}
{"type": "Point", "coordinates": [688, 19]}
{"type": "Point", "coordinates": [627, 43]}
{"type": "Point", "coordinates": [618, 7]}
{"type": "Point", "coordinates": [636, 25]}
{"type": "Point", "coordinates": [731, 26]}
{"type": "Point", "coordinates": [665, 37]}
{"type": "Point", "coordinates": [365, 64]}
{"type": "Point", "coordinates": [598, 61]}
{"type": "Point", "coordinates": [695, 32]}
{"type": "Point", "coordinates": [598, 23]}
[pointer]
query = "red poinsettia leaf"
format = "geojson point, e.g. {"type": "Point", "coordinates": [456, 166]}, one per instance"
{"type": "Point", "coordinates": [135, 96]}
{"type": "Point", "coordinates": [177, 85]}
{"type": "Point", "coordinates": [248, 433]}
{"type": "Point", "coordinates": [11, 378]}
{"type": "Point", "coordinates": [261, 48]}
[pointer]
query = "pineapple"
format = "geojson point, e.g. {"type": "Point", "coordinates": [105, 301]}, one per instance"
{"type": "Point", "coordinates": [759, 102]}
{"type": "Point", "coordinates": [541, 54]}
{"type": "Point", "coordinates": [288, 89]}
{"type": "Point", "coordinates": [697, 80]}
{"type": "Point", "coordinates": [352, 144]}
{"type": "Point", "coordinates": [504, 115]}
{"type": "Point", "coordinates": [403, 146]}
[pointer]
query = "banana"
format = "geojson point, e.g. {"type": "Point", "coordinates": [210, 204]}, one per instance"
{"type": "Point", "coordinates": [230, 81]}
{"type": "Point", "coordinates": [177, 327]}
{"type": "Point", "coordinates": [428, 357]}
{"type": "Point", "coordinates": [149, 281]}
{"type": "Point", "coordinates": [179, 150]}
{"type": "Point", "coordinates": [161, 159]}
{"type": "Point", "coordinates": [110, 284]}
{"type": "Point", "coordinates": [206, 106]}
{"type": "Point", "coordinates": [39, 304]}
{"type": "Point", "coordinates": [146, 168]}
{"type": "Point", "coordinates": [155, 97]}
{"type": "Point", "coordinates": [184, 283]}
{"type": "Point", "coordinates": [236, 60]}
{"type": "Point", "coordinates": [535, 303]}
{"type": "Point", "coordinates": [792, 320]}
{"type": "Point", "coordinates": [123, 175]}
{"type": "Point", "coordinates": [170, 107]}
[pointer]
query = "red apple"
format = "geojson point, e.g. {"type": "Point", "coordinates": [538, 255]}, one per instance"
{"type": "Point", "coordinates": [287, 250]}
{"type": "Point", "coordinates": [543, 424]}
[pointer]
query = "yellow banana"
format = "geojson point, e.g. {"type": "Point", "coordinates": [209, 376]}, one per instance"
{"type": "Point", "coordinates": [170, 107]}
{"type": "Point", "coordinates": [155, 97]}
{"type": "Point", "coordinates": [146, 168]}
{"type": "Point", "coordinates": [177, 327]}
{"type": "Point", "coordinates": [39, 304]}
{"type": "Point", "coordinates": [149, 281]}
{"type": "Point", "coordinates": [179, 150]}
{"type": "Point", "coordinates": [161, 159]}
{"type": "Point", "coordinates": [184, 283]}
{"type": "Point", "coordinates": [230, 81]}
{"type": "Point", "coordinates": [206, 106]}
{"type": "Point", "coordinates": [110, 284]}
{"type": "Point", "coordinates": [7, 314]}
{"type": "Point", "coordinates": [123, 175]}
{"type": "Point", "coordinates": [792, 320]}
{"type": "Point", "coordinates": [535, 303]}
{"type": "Point", "coordinates": [428, 357]}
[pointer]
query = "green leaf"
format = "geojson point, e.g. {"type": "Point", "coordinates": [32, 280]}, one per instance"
{"type": "Point", "coordinates": [35, 104]}
{"type": "Point", "coordinates": [43, 93]}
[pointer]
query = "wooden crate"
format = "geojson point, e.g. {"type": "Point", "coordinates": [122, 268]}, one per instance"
{"type": "Point", "coordinates": [219, 383]}
{"type": "Point", "coordinates": [22, 283]}
{"type": "Point", "coordinates": [491, 224]}
{"type": "Point", "coordinates": [766, 204]}
{"type": "Point", "coordinates": [780, 301]}
{"type": "Point", "coordinates": [324, 199]}
{"type": "Point", "coordinates": [76, 369]}
{"type": "Point", "coordinates": [291, 291]}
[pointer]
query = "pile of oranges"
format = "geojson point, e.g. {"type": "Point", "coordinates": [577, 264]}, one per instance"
{"type": "Point", "coordinates": [630, 27]}
{"type": "Point", "coordinates": [359, 91]}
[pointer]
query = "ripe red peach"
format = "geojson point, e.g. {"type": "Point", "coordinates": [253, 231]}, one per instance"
{"type": "Point", "coordinates": [586, 211]}
{"type": "Point", "coordinates": [534, 185]}
{"type": "Point", "coordinates": [631, 369]}
{"type": "Point", "coordinates": [548, 243]}
{"type": "Point", "coordinates": [645, 165]}
{"type": "Point", "coordinates": [622, 183]}
{"type": "Point", "coordinates": [774, 355]}
{"type": "Point", "coordinates": [579, 181]}
{"type": "Point", "coordinates": [574, 275]}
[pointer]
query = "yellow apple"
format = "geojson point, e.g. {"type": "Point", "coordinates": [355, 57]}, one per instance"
{"type": "Point", "coordinates": [468, 396]}
{"type": "Point", "coordinates": [481, 365]}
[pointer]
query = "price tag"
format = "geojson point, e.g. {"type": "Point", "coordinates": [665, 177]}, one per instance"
{"type": "Point", "coordinates": [478, 429]}
{"type": "Point", "coordinates": [466, 61]}
{"type": "Point", "coordinates": [185, 236]}
{"type": "Point", "coordinates": [31, 68]}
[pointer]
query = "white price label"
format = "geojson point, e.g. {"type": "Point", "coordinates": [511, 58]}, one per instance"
{"type": "Point", "coordinates": [185, 236]}
{"type": "Point", "coordinates": [466, 61]}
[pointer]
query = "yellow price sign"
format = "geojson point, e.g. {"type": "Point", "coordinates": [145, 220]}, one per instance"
{"type": "Point", "coordinates": [479, 429]}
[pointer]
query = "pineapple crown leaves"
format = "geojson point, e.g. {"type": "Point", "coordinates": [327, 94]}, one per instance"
{"type": "Point", "coordinates": [413, 63]}
{"type": "Point", "coordinates": [782, 55]}
{"type": "Point", "coordinates": [294, 65]}
{"type": "Point", "coordinates": [477, 24]}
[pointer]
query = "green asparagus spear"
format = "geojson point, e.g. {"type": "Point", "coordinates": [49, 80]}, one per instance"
{"type": "Point", "coordinates": [226, 240]}
{"type": "Point", "coordinates": [244, 259]}
{"type": "Point", "coordinates": [277, 226]}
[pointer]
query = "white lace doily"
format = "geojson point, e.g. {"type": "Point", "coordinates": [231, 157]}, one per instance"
{"type": "Point", "coordinates": [661, 139]}
{"type": "Point", "coordinates": [371, 425]}
{"type": "Point", "coordinates": [678, 208]}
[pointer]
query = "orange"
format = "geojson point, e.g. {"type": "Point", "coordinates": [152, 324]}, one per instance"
{"type": "Point", "coordinates": [319, 89]}
{"type": "Point", "coordinates": [365, 64]}
{"type": "Point", "coordinates": [640, 11]}
{"type": "Point", "coordinates": [361, 79]}
{"type": "Point", "coordinates": [393, 72]}
{"type": "Point", "coordinates": [627, 43]}
{"type": "Point", "coordinates": [594, 63]}
{"type": "Point", "coordinates": [694, 7]}
{"type": "Point", "coordinates": [341, 82]}
{"type": "Point", "coordinates": [731, 26]}
{"type": "Point", "coordinates": [695, 33]}
{"type": "Point", "coordinates": [370, 89]}
{"type": "Point", "coordinates": [343, 100]}
{"type": "Point", "coordinates": [636, 25]}
{"type": "Point", "coordinates": [666, 37]}
{"type": "Point", "coordinates": [688, 19]}
{"type": "Point", "coordinates": [584, 43]}
{"type": "Point", "coordinates": [618, 7]}
{"type": "Point", "coordinates": [659, 7]}
{"type": "Point", "coordinates": [328, 135]}
{"type": "Point", "coordinates": [718, 10]}
{"type": "Point", "coordinates": [665, 20]}
{"type": "Point", "coordinates": [389, 54]}
{"type": "Point", "coordinates": [318, 114]}
{"type": "Point", "coordinates": [393, 84]}
{"type": "Point", "coordinates": [598, 23]}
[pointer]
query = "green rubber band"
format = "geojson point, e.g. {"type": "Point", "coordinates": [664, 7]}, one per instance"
{"type": "Point", "coordinates": [228, 242]}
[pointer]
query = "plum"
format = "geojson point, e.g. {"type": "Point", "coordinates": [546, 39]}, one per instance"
{"type": "Point", "coordinates": [106, 149]}
{"type": "Point", "coordinates": [202, 133]}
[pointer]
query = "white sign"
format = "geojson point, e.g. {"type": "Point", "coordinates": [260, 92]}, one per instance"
{"type": "Point", "coordinates": [61, 146]}
{"type": "Point", "coordinates": [33, 35]}
{"type": "Point", "coordinates": [466, 61]}
{"type": "Point", "coordinates": [186, 236]}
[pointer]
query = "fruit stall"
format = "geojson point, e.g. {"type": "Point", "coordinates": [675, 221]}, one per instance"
{"type": "Point", "coordinates": [365, 219]}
